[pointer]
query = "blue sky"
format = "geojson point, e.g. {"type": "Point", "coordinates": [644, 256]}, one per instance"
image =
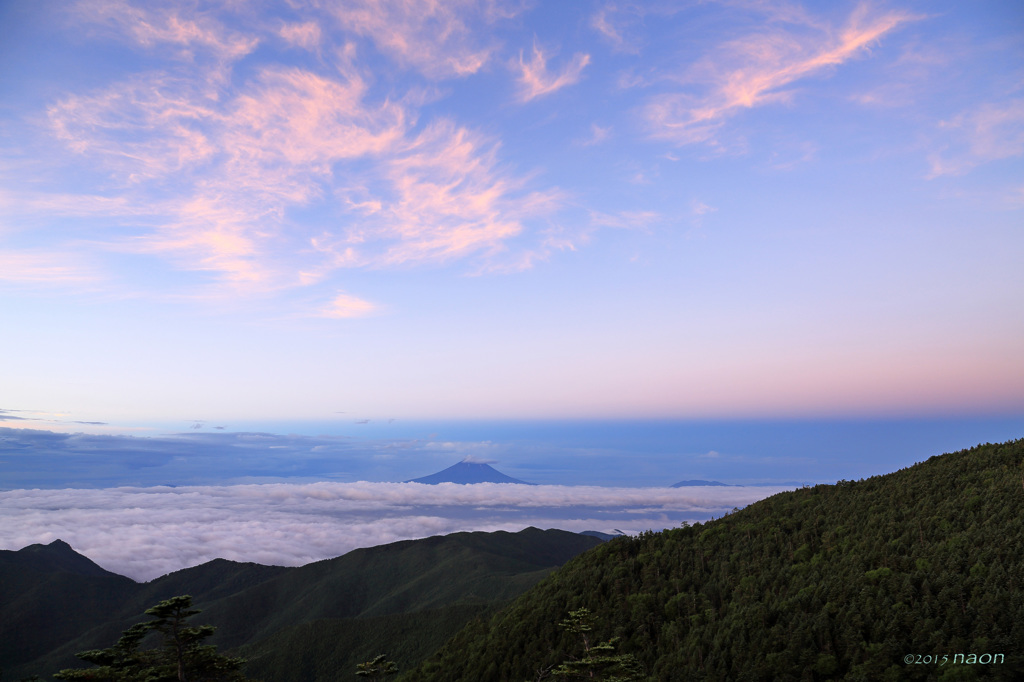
{"type": "Point", "coordinates": [390, 209]}
{"type": "Point", "coordinates": [600, 243]}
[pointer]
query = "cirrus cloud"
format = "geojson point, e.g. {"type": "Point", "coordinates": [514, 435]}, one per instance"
{"type": "Point", "coordinates": [206, 167]}
{"type": "Point", "coordinates": [989, 132]}
{"type": "Point", "coordinates": [753, 71]}
{"type": "Point", "coordinates": [536, 81]}
{"type": "Point", "coordinates": [440, 39]}
{"type": "Point", "coordinates": [345, 305]}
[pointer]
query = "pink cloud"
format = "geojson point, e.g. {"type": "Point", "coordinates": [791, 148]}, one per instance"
{"type": "Point", "coordinates": [141, 129]}
{"type": "Point", "coordinates": [286, 131]}
{"type": "Point", "coordinates": [752, 71]}
{"type": "Point", "coordinates": [238, 162]}
{"type": "Point", "coordinates": [536, 81]}
{"type": "Point", "coordinates": [45, 267]}
{"type": "Point", "coordinates": [440, 39]}
{"type": "Point", "coordinates": [152, 25]}
{"type": "Point", "coordinates": [602, 23]}
{"type": "Point", "coordinates": [346, 306]}
{"type": "Point", "coordinates": [306, 35]}
{"type": "Point", "coordinates": [626, 220]}
{"type": "Point", "coordinates": [282, 141]}
{"type": "Point", "coordinates": [210, 233]}
{"type": "Point", "coordinates": [448, 197]}
{"type": "Point", "coordinates": [988, 133]}
{"type": "Point", "coordinates": [597, 135]}
{"type": "Point", "coordinates": [217, 166]}
{"type": "Point", "coordinates": [615, 22]}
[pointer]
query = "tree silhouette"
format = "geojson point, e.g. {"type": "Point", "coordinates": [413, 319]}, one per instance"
{"type": "Point", "coordinates": [377, 669]}
{"type": "Point", "coordinates": [599, 660]}
{"type": "Point", "coordinates": [181, 657]}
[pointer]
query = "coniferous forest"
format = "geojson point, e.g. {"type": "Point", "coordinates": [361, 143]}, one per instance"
{"type": "Point", "coordinates": [914, 575]}
{"type": "Point", "coordinates": [831, 582]}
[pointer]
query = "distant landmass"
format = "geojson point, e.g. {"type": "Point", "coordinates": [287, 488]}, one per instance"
{"type": "Point", "coordinates": [468, 471]}
{"type": "Point", "coordinates": [685, 484]}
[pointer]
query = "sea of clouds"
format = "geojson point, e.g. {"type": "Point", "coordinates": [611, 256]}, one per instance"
{"type": "Point", "coordinates": [146, 532]}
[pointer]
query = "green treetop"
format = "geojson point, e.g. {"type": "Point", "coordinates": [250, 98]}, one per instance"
{"type": "Point", "coordinates": [181, 656]}
{"type": "Point", "coordinates": [377, 669]}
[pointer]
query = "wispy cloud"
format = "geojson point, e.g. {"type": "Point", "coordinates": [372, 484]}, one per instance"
{"type": "Point", "coordinates": [347, 306]}
{"type": "Point", "coordinates": [142, 129]}
{"type": "Point", "coordinates": [217, 168]}
{"type": "Point", "coordinates": [602, 23]}
{"type": "Point", "coordinates": [440, 195]}
{"type": "Point", "coordinates": [616, 22]}
{"type": "Point", "coordinates": [156, 26]}
{"type": "Point", "coordinates": [698, 209]}
{"type": "Point", "coordinates": [475, 459]}
{"type": "Point", "coordinates": [5, 415]}
{"type": "Point", "coordinates": [147, 532]}
{"type": "Point", "coordinates": [451, 197]}
{"type": "Point", "coordinates": [598, 135]}
{"type": "Point", "coordinates": [46, 267]}
{"type": "Point", "coordinates": [629, 220]}
{"type": "Point", "coordinates": [67, 204]}
{"type": "Point", "coordinates": [753, 70]}
{"type": "Point", "coordinates": [306, 35]}
{"type": "Point", "coordinates": [440, 39]}
{"type": "Point", "coordinates": [536, 81]}
{"type": "Point", "coordinates": [987, 133]}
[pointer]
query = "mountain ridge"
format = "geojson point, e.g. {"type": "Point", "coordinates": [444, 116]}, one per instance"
{"type": "Point", "coordinates": [59, 556]}
{"type": "Point", "coordinates": [49, 613]}
{"type": "Point", "coordinates": [830, 582]}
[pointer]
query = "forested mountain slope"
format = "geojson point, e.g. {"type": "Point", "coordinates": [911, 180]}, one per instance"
{"type": "Point", "coordinates": [50, 594]}
{"type": "Point", "coordinates": [410, 595]}
{"type": "Point", "coordinates": [828, 582]}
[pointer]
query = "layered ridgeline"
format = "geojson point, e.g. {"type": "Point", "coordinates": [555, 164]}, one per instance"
{"type": "Point", "coordinates": [314, 622]}
{"type": "Point", "coordinates": [844, 581]}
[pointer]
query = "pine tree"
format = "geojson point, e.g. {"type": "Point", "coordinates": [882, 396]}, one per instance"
{"type": "Point", "coordinates": [182, 656]}
{"type": "Point", "coordinates": [599, 660]}
{"type": "Point", "coordinates": [377, 669]}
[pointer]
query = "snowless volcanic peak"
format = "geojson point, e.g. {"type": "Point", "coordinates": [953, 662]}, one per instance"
{"type": "Point", "coordinates": [468, 471]}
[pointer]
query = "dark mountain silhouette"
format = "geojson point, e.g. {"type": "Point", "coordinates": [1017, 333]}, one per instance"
{"type": "Point", "coordinates": [56, 557]}
{"type": "Point", "coordinates": [51, 579]}
{"type": "Point", "coordinates": [686, 484]}
{"type": "Point", "coordinates": [468, 471]}
{"type": "Point", "coordinates": [412, 595]}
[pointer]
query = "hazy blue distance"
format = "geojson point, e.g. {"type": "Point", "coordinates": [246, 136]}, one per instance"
{"type": "Point", "coordinates": [604, 453]}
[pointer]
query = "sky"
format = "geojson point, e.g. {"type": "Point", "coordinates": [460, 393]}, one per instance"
{"type": "Point", "coordinates": [767, 242]}
{"type": "Point", "coordinates": [404, 209]}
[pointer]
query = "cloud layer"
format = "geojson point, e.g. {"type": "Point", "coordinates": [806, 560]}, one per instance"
{"type": "Point", "coordinates": [146, 532]}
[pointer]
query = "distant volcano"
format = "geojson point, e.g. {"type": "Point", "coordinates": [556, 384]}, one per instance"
{"type": "Point", "coordinates": [468, 472]}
